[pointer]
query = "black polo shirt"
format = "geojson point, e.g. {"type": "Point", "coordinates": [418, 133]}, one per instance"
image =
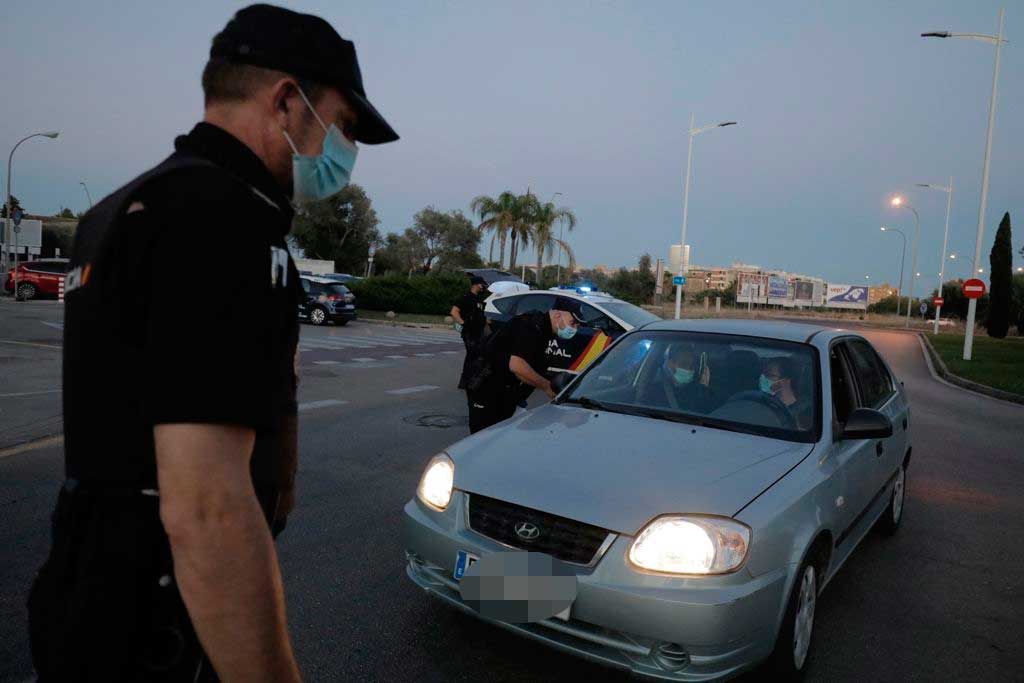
{"type": "Point", "coordinates": [527, 336]}
{"type": "Point", "coordinates": [181, 308]}
{"type": "Point", "coordinates": [471, 308]}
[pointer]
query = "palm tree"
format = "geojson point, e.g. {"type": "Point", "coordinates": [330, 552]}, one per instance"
{"type": "Point", "coordinates": [497, 215]}
{"type": "Point", "coordinates": [544, 218]}
{"type": "Point", "coordinates": [522, 228]}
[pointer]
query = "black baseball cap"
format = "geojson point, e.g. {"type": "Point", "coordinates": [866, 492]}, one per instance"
{"type": "Point", "coordinates": [572, 306]}
{"type": "Point", "coordinates": [477, 280]}
{"type": "Point", "coordinates": [304, 46]}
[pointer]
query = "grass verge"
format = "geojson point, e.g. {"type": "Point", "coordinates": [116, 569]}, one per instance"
{"type": "Point", "coordinates": [998, 363]}
{"type": "Point", "coordinates": [402, 317]}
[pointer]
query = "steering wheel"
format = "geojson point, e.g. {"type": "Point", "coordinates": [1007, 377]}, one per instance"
{"type": "Point", "coordinates": [778, 408]}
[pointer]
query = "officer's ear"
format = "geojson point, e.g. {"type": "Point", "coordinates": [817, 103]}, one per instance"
{"type": "Point", "coordinates": [287, 105]}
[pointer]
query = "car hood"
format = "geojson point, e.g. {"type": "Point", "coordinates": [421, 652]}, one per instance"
{"type": "Point", "coordinates": [619, 471]}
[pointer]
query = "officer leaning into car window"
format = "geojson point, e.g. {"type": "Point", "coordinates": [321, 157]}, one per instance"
{"type": "Point", "coordinates": [468, 314]}
{"type": "Point", "coordinates": [513, 362]}
{"type": "Point", "coordinates": [179, 409]}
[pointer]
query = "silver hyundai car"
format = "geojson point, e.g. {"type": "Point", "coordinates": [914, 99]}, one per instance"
{"type": "Point", "coordinates": [698, 485]}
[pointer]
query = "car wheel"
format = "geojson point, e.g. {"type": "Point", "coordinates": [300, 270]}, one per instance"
{"type": "Point", "coordinates": [793, 647]}
{"type": "Point", "coordinates": [26, 291]}
{"type": "Point", "coordinates": [318, 316]}
{"type": "Point", "coordinates": [890, 520]}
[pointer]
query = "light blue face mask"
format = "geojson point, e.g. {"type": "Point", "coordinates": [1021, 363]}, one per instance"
{"type": "Point", "coordinates": [682, 376]}
{"type": "Point", "coordinates": [322, 175]}
{"type": "Point", "coordinates": [765, 384]}
{"type": "Point", "coordinates": [567, 332]}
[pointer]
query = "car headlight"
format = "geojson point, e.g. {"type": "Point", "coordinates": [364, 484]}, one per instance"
{"type": "Point", "coordinates": [691, 544]}
{"type": "Point", "coordinates": [435, 487]}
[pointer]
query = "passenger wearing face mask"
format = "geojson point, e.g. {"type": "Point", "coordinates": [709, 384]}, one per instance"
{"type": "Point", "coordinates": [680, 383]}
{"type": "Point", "coordinates": [777, 379]}
{"type": "Point", "coordinates": [179, 407]}
{"type": "Point", "coordinates": [514, 360]}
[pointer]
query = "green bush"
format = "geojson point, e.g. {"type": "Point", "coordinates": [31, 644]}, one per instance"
{"type": "Point", "coordinates": [427, 294]}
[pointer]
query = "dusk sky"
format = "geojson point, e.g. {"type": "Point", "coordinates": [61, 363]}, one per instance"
{"type": "Point", "coordinates": [839, 105]}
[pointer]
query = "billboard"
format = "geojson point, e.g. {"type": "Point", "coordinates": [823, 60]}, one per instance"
{"type": "Point", "coordinates": [751, 288]}
{"type": "Point", "coordinates": [780, 291]}
{"type": "Point", "coordinates": [803, 293]}
{"type": "Point", "coordinates": [30, 236]}
{"type": "Point", "coordinates": [847, 296]}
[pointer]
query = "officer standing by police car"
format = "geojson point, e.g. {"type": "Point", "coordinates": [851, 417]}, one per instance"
{"type": "Point", "coordinates": [513, 362]}
{"type": "Point", "coordinates": [470, 321]}
{"type": "Point", "coordinates": [179, 400]}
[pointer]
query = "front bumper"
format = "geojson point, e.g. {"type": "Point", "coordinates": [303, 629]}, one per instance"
{"type": "Point", "coordinates": [670, 628]}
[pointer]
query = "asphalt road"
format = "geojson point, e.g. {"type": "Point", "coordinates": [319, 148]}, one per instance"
{"type": "Point", "coordinates": [940, 600]}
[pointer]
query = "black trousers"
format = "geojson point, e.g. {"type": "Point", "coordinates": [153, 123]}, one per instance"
{"type": "Point", "coordinates": [472, 343]}
{"type": "Point", "coordinates": [489, 407]}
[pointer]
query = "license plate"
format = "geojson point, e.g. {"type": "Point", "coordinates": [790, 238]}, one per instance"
{"type": "Point", "coordinates": [463, 561]}
{"type": "Point", "coordinates": [349, 306]}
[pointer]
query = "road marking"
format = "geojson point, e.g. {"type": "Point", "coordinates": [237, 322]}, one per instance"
{"type": "Point", "coordinates": [32, 445]}
{"type": "Point", "coordinates": [426, 355]}
{"type": "Point", "coordinates": [363, 360]}
{"type": "Point", "coordinates": [397, 357]}
{"type": "Point", "coordinates": [326, 362]}
{"type": "Point", "coordinates": [31, 393]}
{"type": "Point", "coordinates": [59, 326]}
{"type": "Point", "coordinates": [38, 346]}
{"type": "Point", "coordinates": [412, 390]}
{"type": "Point", "coordinates": [452, 352]}
{"type": "Point", "coordinates": [313, 405]}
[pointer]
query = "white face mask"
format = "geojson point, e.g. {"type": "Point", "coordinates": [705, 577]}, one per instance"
{"type": "Point", "coordinates": [321, 175]}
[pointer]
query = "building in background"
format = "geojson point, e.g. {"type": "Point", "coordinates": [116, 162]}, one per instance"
{"type": "Point", "coordinates": [673, 259]}
{"type": "Point", "coordinates": [876, 294]}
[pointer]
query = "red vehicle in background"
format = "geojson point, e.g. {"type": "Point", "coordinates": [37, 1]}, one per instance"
{"type": "Point", "coordinates": [39, 278]}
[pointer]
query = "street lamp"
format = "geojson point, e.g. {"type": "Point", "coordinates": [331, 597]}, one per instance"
{"type": "Point", "coordinates": [903, 259]}
{"type": "Point", "coordinates": [997, 40]}
{"type": "Point", "coordinates": [87, 195]}
{"type": "Point", "coordinates": [693, 132]}
{"type": "Point", "coordinates": [899, 202]}
{"type": "Point", "coordinates": [945, 239]}
{"type": "Point", "coordinates": [7, 223]}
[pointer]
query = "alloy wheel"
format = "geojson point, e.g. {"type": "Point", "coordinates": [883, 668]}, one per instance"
{"type": "Point", "coordinates": [317, 316]}
{"type": "Point", "coordinates": [898, 492]}
{"type": "Point", "coordinates": [803, 625]}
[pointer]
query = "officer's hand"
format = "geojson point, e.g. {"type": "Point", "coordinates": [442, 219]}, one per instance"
{"type": "Point", "coordinates": [550, 391]}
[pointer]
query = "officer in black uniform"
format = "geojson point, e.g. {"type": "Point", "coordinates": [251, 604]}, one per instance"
{"type": "Point", "coordinates": [179, 392]}
{"type": "Point", "coordinates": [468, 314]}
{"type": "Point", "coordinates": [514, 361]}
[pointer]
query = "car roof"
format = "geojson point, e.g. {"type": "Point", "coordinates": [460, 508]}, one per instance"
{"type": "Point", "coordinates": [772, 329]}
{"type": "Point", "coordinates": [596, 298]}
{"type": "Point", "coordinates": [320, 280]}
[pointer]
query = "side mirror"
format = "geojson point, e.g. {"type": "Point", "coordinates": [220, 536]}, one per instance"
{"type": "Point", "coordinates": [865, 423]}
{"type": "Point", "coordinates": [561, 380]}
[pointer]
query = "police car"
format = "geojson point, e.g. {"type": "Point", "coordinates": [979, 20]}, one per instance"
{"type": "Point", "coordinates": [325, 300]}
{"type": "Point", "coordinates": [607, 319]}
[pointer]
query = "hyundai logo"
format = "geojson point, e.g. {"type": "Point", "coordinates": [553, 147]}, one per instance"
{"type": "Point", "coordinates": [527, 531]}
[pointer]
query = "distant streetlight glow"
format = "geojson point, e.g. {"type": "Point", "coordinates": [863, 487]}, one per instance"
{"type": "Point", "coordinates": [897, 201]}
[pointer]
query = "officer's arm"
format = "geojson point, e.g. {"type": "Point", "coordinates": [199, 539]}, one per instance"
{"type": "Point", "coordinates": [527, 375]}
{"type": "Point", "coordinates": [456, 315]}
{"type": "Point", "coordinates": [224, 559]}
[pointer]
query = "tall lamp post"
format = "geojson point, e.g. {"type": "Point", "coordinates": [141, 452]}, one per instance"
{"type": "Point", "coordinates": [903, 260]}
{"type": "Point", "coordinates": [898, 202]}
{"type": "Point", "coordinates": [87, 195]}
{"type": "Point", "coordinates": [997, 40]}
{"type": "Point", "coordinates": [693, 132]}
{"type": "Point", "coordinates": [7, 223]}
{"type": "Point", "coordinates": [945, 240]}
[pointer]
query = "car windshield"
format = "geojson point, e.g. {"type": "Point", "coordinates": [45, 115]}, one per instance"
{"type": "Point", "coordinates": [736, 383]}
{"type": "Point", "coordinates": [335, 288]}
{"type": "Point", "coordinates": [634, 315]}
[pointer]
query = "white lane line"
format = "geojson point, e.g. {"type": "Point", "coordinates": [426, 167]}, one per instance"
{"type": "Point", "coordinates": [59, 326]}
{"type": "Point", "coordinates": [397, 357]}
{"type": "Point", "coordinates": [313, 405]}
{"type": "Point", "coordinates": [31, 393]}
{"type": "Point", "coordinates": [38, 346]}
{"type": "Point", "coordinates": [363, 360]}
{"type": "Point", "coordinates": [326, 362]}
{"type": "Point", "coordinates": [426, 355]}
{"type": "Point", "coordinates": [412, 390]}
{"type": "Point", "coordinates": [337, 344]}
{"type": "Point", "coordinates": [451, 352]}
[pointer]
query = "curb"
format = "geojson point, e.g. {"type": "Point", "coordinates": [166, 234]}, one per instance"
{"type": "Point", "coordinates": [399, 323]}
{"type": "Point", "coordinates": [939, 369]}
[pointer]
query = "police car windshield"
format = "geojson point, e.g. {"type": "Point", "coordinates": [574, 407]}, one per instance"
{"type": "Point", "coordinates": [734, 383]}
{"type": "Point", "coordinates": [634, 315]}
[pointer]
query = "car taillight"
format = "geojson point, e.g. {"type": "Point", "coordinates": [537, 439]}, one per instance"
{"type": "Point", "coordinates": [333, 297]}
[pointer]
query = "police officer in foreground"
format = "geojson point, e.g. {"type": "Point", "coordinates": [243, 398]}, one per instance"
{"type": "Point", "coordinates": [468, 314]}
{"type": "Point", "coordinates": [513, 362]}
{"type": "Point", "coordinates": [180, 401]}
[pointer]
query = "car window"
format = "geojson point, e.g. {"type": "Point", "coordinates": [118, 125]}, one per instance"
{"type": "Point", "coordinates": [599, 320]}
{"type": "Point", "coordinates": [870, 374]}
{"type": "Point", "coordinates": [842, 389]}
{"type": "Point", "coordinates": [506, 304]}
{"type": "Point", "coordinates": [335, 288]}
{"type": "Point", "coordinates": [633, 315]}
{"type": "Point", "coordinates": [710, 380]}
{"type": "Point", "coordinates": [305, 285]}
{"type": "Point", "coordinates": [44, 266]}
{"type": "Point", "coordinates": [529, 303]}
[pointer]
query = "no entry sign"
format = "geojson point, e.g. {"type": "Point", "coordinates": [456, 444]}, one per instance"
{"type": "Point", "coordinates": [974, 288]}
{"type": "Point", "coordinates": [938, 301]}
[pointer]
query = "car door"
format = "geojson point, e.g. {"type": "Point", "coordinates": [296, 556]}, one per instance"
{"type": "Point", "coordinates": [854, 460]}
{"type": "Point", "coordinates": [307, 296]}
{"type": "Point", "coordinates": [876, 389]}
